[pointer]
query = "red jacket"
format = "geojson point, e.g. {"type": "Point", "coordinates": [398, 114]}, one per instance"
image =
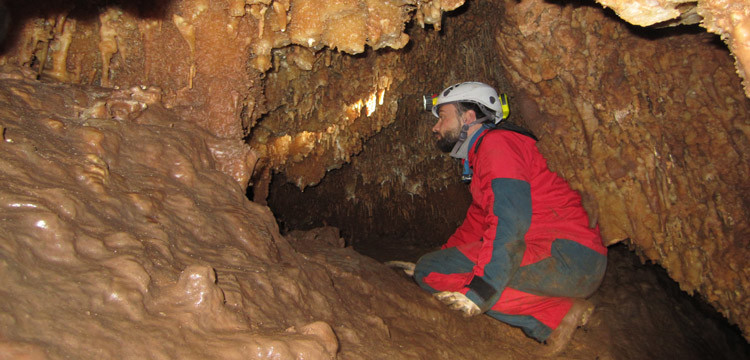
{"type": "Point", "coordinates": [519, 208]}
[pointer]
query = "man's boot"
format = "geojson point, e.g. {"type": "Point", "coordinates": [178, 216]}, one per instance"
{"type": "Point", "coordinates": [578, 315]}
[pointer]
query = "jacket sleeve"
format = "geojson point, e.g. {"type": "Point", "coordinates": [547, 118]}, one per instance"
{"type": "Point", "coordinates": [503, 170]}
{"type": "Point", "coordinates": [471, 230]}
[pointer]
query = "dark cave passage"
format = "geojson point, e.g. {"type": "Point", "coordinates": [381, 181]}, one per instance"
{"type": "Point", "coordinates": [362, 225]}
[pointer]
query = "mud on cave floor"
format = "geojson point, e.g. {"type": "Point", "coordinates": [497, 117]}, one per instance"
{"type": "Point", "coordinates": [641, 313]}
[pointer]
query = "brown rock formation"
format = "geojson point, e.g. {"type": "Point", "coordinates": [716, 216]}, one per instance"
{"type": "Point", "coordinates": [653, 132]}
{"type": "Point", "coordinates": [730, 19]}
{"type": "Point", "coordinates": [107, 251]}
{"type": "Point", "coordinates": [122, 239]}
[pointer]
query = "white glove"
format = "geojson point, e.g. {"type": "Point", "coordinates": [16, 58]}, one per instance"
{"type": "Point", "coordinates": [408, 267]}
{"type": "Point", "coordinates": [458, 301]}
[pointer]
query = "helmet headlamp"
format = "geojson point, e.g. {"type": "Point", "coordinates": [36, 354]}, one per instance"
{"type": "Point", "coordinates": [428, 101]}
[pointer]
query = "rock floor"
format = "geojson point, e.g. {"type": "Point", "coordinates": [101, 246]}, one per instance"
{"type": "Point", "coordinates": [641, 314]}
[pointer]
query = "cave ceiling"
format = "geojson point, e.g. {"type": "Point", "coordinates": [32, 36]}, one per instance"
{"type": "Point", "coordinates": [641, 105]}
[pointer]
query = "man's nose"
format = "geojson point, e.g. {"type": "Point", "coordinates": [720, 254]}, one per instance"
{"type": "Point", "coordinates": [435, 127]}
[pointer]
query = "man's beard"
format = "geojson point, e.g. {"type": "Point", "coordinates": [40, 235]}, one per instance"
{"type": "Point", "coordinates": [448, 141]}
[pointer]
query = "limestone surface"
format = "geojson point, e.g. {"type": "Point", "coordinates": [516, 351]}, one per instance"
{"type": "Point", "coordinates": [652, 132]}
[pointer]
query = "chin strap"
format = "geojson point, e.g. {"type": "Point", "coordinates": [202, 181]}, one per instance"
{"type": "Point", "coordinates": [465, 134]}
{"type": "Point", "coordinates": [461, 139]}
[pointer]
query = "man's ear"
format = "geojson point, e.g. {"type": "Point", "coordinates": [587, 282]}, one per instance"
{"type": "Point", "coordinates": [471, 116]}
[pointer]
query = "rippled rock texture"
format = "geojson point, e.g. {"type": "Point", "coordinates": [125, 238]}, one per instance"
{"type": "Point", "coordinates": [729, 19]}
{"type": "Point", "coordinates": [116, 242]}
{"type": "Point", "coordinates": [654, 132]}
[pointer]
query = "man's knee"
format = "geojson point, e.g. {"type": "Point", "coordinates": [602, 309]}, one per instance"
{"type": "Point", "coordinates": [584, 266]}
{"type": "Point", "coordinates": [446, 261]}
{"type": "Point", "coordinates": [442, 270]}
{"type": "Point", "coordinates": [594, 278]}
{"type": "Point", "coordinates": [425, 265]}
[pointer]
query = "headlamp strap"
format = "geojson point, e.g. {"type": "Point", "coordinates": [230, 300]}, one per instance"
{"type": "Point", "coordinates": [464, 133]}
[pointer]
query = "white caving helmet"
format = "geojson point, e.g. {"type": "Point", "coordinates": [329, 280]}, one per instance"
{"type": "Point", "coordinates": [495, 107]}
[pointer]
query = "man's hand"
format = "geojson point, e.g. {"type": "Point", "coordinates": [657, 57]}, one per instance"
{"type": "Point", "coordinates": [458, 301]}
{"type": "Point", "coordinates": [408, 267]}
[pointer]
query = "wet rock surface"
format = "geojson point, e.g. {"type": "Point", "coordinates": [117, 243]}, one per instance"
{"type": "Point", "coordinates": [109, 250]}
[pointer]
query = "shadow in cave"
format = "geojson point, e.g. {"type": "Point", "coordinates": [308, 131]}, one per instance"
{"type": "Point", "coordinates": [15, 13]}
{"type": "Point", "coordinates": [403, 236]}
{"type": "Point", "coordinates": [643, 314]}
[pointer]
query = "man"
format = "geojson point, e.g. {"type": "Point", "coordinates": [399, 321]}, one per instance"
{"type": "Point", "coordinates": [525, 253]}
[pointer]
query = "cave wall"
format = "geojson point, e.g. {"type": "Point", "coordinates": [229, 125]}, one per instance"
{"type": "Point", "coordinates": [209, 58]}
{"type": "Point", "coordinates": [190, 50]}
{"type": "Point", "coordinates": [729, 19]}
{"type": "Point", "coordinates": [653, 132]}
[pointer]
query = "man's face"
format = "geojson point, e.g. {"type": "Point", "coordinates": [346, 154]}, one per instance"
{"type": "Point", "coordinates": [447, 128]}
